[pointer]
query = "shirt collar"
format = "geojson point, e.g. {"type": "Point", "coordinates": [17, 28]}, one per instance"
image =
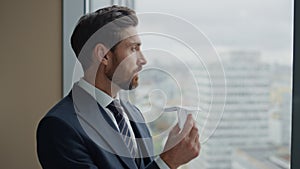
{"type": "Point", "coordinates": [102, 98]}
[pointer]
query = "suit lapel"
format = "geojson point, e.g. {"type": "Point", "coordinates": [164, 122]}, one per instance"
{"type": "Point", "coordinates": [98, 125]}
{"type": "Point", "coordinates": [140, 129]}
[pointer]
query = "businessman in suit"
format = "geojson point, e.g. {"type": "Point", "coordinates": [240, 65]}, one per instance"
{"type": "Point", "coordinates": [92, 127]}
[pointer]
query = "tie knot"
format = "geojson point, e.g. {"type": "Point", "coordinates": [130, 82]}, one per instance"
{"type": "Point", "coordinates": [115, 103]}
{"type": "Point", "coordinates": [115, 107]}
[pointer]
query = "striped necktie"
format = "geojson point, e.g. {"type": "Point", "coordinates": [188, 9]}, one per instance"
{"type": "Point", "coordinates": [118, 112]}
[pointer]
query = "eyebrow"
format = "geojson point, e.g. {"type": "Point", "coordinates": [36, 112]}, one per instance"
{"type": "Point", "coordinates": [130, 43]}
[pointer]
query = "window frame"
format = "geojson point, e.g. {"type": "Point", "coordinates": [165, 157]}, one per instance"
{"type": "Point", "coordinates": [72, 11]}
{"type": "Point", "coordinates": [295, 148]}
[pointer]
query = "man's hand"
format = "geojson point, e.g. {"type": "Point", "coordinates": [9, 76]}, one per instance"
{"type": "Point", "coordinates": [182, 146]}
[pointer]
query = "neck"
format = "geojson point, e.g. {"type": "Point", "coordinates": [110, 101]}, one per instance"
{"type": "Point", "coordinates": [101, 82]}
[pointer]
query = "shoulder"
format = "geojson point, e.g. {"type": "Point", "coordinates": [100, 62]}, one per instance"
{"type": "Point", "coordinates": [60, 124]}
{"type": "Point", "coordinates": [63, 107]}
{"type": "Point", "coordinates": [64, 111]}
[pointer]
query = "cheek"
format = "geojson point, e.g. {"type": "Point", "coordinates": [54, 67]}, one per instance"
{"type": "Point", "coordinates": [126, 66]}
{"type": "Point", "coordinates": [130, 63]}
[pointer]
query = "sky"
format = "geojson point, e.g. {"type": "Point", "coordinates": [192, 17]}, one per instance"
{"type": "Point", "coordinates": [233, 25]}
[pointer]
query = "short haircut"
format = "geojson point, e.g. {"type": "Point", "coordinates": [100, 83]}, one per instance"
{"type": "Point", "coordinates": [118, 17]}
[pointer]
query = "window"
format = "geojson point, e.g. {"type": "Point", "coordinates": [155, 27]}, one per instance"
{"type": "Point", "coordinates": [251, 41]}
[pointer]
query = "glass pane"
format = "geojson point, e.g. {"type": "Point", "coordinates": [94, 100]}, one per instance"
{"type": "Point", "coordinates": [94, 4]}
{"type": "Point", "coordinates": [230, 61]}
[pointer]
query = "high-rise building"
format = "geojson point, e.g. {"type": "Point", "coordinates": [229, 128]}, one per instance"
{"type": "Point", "coordinates": [262, 158]}
{"type": "Point", "coordinates": [244, 122]}
{"type": "Point", "coordinates": [281, 105]}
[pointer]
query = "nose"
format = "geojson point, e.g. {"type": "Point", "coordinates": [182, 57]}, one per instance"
{"type": "Point", "coordinates": [141, 60]}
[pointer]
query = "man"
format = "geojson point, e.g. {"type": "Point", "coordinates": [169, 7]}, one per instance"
{"type": "Point", "coordinates": [91, 127]}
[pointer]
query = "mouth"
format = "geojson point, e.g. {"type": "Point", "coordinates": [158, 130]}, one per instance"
{"type": "Point", "coordinates": [136, 72]}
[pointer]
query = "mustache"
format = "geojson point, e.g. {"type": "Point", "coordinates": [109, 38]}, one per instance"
{"type": "Point", "coordinates": [138, 69]}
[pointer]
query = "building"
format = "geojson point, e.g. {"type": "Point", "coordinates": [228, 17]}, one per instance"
{"type": "Point", "coordinates": [262, 158]}
{"type": "Point", "coordinates": [281, 105]}
{"type": "Point", "coordinates": [244, 122]}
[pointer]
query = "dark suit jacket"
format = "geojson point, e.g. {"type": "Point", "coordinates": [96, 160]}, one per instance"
{"type": "Point", "coordinates": [78, 134]}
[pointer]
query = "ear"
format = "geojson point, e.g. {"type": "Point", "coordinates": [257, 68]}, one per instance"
{"type": "Point", "coordinates": [100, 52]}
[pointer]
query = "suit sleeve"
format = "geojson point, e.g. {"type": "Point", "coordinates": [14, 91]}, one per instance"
{"type": "Point", "coordinates": [59, 146]}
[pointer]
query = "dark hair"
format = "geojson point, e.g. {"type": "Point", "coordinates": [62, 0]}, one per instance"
{"type": "Point", "coordinates": [118, 16]}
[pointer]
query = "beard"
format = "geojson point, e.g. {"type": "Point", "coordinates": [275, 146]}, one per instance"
{"type": "Point", "coordinates": [134, 82]}
{"type": "Point", "coordinates": [130, 84]}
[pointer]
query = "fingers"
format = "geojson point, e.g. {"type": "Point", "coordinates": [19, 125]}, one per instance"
{"type": "Point", "coordinates": [199, 145]}
{"type": "Point", "coordinates": [188, 125]}
{"type": "Point", "coordinates": [198, 148]}
{"type": "Point", "coordinates": [175, 130]}
{"type": "Point", "coordinates": [197, 138]}
{"type": "Point", "coordinates": [194, 134]}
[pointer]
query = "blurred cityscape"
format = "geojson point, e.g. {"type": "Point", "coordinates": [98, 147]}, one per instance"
{"type": "Point", "coordinates": [244, 123]}
{"type": "Point", "coordinates": [254, 131]}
